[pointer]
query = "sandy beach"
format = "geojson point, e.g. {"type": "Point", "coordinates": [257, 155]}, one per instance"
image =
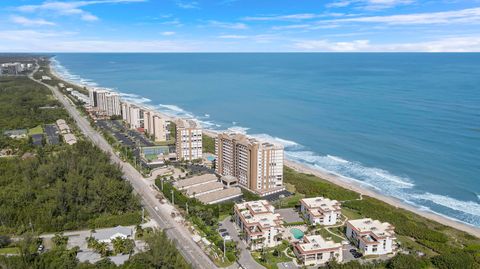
{"type": "Point", "coordinates": [387, 199]}
{"type": "Point", "coordinates": [335, 179]}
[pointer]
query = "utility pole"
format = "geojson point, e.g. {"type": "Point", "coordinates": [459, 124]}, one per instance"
{"type": "Point", "coordinates": [173, 197]}
{"type": "Point", "coordinates": [143, 214]}
{"type": "Point", "coordinates": [186, 205]}
{"type": "Point", "coordinates": [223, 247]}
{"type": "Point", "coordinates": [161, 180]}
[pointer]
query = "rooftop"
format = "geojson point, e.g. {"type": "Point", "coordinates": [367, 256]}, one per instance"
{"type": "Point", "coordinates": [316, 243]}
{"type": "Point", "coordinates": [373, 227]}
{"type": "Point", "coordinates": [217, 196]}
{"type": "Point", "coordinates": [187, 123]}
{"type": "Point", "coordinates": [261, 212]}
{"type": "Point", "coordinates": [321, 203]}
{"type": "Point", "coordinates": [186, 183]}
{"type": "Point", "coordinates": [106, 234]}
{"type": "Point", "coordinates": [197, 190]}
{"type": "Point", "coordinates": [247, 140]}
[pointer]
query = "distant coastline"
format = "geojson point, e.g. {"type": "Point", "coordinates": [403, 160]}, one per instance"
{"type": "Point", "coordinates": [338, 180]}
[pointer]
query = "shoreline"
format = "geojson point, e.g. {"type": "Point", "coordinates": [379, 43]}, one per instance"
{"type": "Point", "coordinates": [339, 181]}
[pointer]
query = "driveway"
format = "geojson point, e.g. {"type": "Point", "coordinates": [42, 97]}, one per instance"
{"type": "Point", "coordinates": [245, 259]}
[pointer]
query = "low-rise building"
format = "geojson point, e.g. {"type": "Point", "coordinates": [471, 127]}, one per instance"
{"type": "Point", "coordinates": [16, 134]}
{"type": "Point", "coordinates": [220, 196]}
{"type": "Point", "coordinates": [70, 139]}
{"type": "Point", "coordinates": [372, 237]}
{"type": "Point", "coordinates": [314, 250]}
{"type": "Point", "coordinates": [262, 227]}
{"type": "Point", "coordinates": [204, 189]}
{"type": "Point", "coordinates": [320, 210]}
{"type": "Point", "coordinates": [195, 181]}
{"type": "Point", "coordinates": [107, 235]}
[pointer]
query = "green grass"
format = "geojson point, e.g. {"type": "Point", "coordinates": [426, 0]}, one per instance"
{"type": "Point", "coordinates": [328, 236]}
{"type": "Point", "coordinates": [36, 130]}
{"type": "Point", "coordinates": [270, 261]}
{"type": "Point", "coordinates": [9, 250]}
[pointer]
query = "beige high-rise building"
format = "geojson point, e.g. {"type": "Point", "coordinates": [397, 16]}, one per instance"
{"type": "Point", "coordinates": [156, 125]}
{"type": "Point", "coordinates": [188, 140]}
{"type": "Point", "coordinates": [258, 166]}
{"type": "Point", "coordinates": [132, 114]}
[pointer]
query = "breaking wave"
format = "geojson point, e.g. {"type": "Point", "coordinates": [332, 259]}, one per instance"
{"type": "Point", "coordinates": [380, 180]}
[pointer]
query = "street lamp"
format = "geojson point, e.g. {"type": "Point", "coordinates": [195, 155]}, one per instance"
{"type": "Point", "coordinates": [173, 197]}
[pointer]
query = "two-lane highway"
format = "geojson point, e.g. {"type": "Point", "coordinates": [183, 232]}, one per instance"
{"type": "Point", "coordinates": [177, 232]}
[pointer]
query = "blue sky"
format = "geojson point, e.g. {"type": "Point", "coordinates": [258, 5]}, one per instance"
{"type": "Point", "coordinates": [239, 25]}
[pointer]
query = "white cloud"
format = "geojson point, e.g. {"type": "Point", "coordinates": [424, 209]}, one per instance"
{"type": "Point", "coordinates": [52, 41]}
{"type": "Point", "coordinates": [168, 33]}
{"type": "Point", "coordinates": [290, 17]}
{"type": "Point", "coordinates": [471, 15]}
{"type": "Point", "coordinates": [228, 25]}
{"type": "Point", "coordinates": [370, 4]}
{"type": "Point", "coordinates": [188, 5]}
{"type": "Point", "coordinates": [30, 22]}
{"type": "Point", "coordinates": [70, 8]}
{"type": "Point", "coordinates": [233, 36]}
{"type": "Point", "coordinates": [292, 27]}
{"type": "Point", "coordinates": [450, 44]}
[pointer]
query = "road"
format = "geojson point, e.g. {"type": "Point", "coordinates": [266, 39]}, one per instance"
{"type": "Point", "coordinates": [176, 232]}
{"type": "Point", "coordinates": [245, 258]}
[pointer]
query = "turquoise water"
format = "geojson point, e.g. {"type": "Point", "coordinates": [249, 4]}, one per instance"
{"type": "Point", "coordinates": [298, 234]}
{"type": "Point", "coordinates": [405, 125]}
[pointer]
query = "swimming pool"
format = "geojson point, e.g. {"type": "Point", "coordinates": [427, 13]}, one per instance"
{"type": "Point", "coordinates": [297, 233]}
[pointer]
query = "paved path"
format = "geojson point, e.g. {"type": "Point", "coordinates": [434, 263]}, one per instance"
{"type": "Point", "coordinates": [245, 259]}
{"type": "Point", "coordinates": [177, 232]}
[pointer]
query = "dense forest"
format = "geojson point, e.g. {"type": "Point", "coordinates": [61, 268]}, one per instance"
{"type": "Point", "coordinates": [25, 104]}
{"type": "Point", "coordinates": [63, 190]}
{"type": "Point", "coordinates": [161, 253]}
{"type": "Point", "coordinates": [58, 187]}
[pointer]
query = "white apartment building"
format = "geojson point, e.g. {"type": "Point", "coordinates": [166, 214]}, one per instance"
{"type": "Point", "coordinates": [314, 250]}
{"type": "Point", "coordinates": [320, 210]}
{"type": "Point", "coordinates": [372, 237]}
{"type": "Point", "coordinates": [258, 166]}
{"type": "Point", "coordinates": [188, 141]}
{"type": "Point", "coordinates": [156, 125]}
{"type": "Point", "coordinates": [262, 227]}
{"type": "Point", "coordinates": [113, 104]}
{"type": "Point", "coordinates": [106, 102]}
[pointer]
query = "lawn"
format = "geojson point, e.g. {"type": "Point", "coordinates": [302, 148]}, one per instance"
{"type": "Point", "coordinates": [35, 130]}
{"type": "Point", "coordinates": [10, 250]}
{"type": "Point", "coordinates": [328, 236]}
{"type": "Point", "coordinates": [271, 258]}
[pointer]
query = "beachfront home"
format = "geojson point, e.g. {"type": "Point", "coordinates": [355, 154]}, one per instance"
{"type": "Point", "coordinates": [314, 250]}
{"type": "Point", "coordinates": [372, 237]}
{"type": "Point", "coordinates": [262, 227]}
{"type": "Point", "coordinates": [258, 166]}
{"type": "Point", "coordinates": [320, 210]}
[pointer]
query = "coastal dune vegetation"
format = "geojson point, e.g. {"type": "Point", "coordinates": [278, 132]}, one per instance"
{"type": "Point", "coordinates": [429, 244]}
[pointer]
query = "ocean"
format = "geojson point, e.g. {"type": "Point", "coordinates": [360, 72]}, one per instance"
{"type": "Point", "coordinates": [406, 125]}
